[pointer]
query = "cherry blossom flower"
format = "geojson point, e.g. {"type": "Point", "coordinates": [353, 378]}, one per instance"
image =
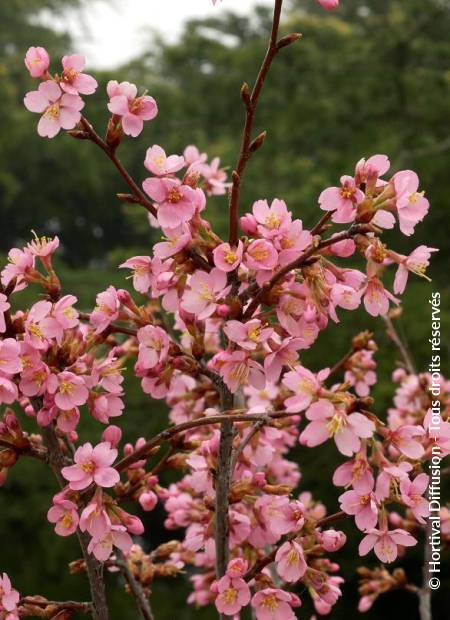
{"type": "Point", "coordinates": [9, 598]}
{"type": "Point", "coordinates": [176, 202]}
{"type": "Point", "coordinates": [118, 537]}
{"type": "Point", "coordinates": [158, 163]}
{"type": "Point", "coordinates": [362, 506]}
{"type": "Point", "coordinates": [72, 80]}
{"type": "Point", "coordinates": [60, 110]}
{"type": "Point", "coordinates": [356, 472]}
{"type": "Point", "coordinates": [333, 540]}
{"type": "Point", "coordinates": [405, 439]}
{"type": "Point", "coordinates": [342, 200]}
{"type": "Point", "coordinates": [153, 346]}
{"type": "Point", "coordinates": [376, 297]}
{"type": "Point", "coordinates": [205, 290]}
{"type": "Point", "coordinates": [271, 221]}
{"type": "Point", "coordinates": [290, 561]}
{"type": "Point", "coordinates": [412, 495]}
{"type": "Point", "coordinates": [175, 240]}
{"type": "Point", "coordinates": [237, 368]}
{"type": "Point", "coordinates": [411, 204]}
{"type": "Point", "coordinates": [232, 595]}
{"type": "Point", "coordinates": [328, 5]}
{"type": "Point", "coordinates": [4, 307]}
{"type": "Point", "coordinates": [416, 262]}
{"type": "Point", "coordinates": [249, 335]}
{"type": "Point", "coordinates": [227, 258]}
{"type": "Point", "coordinates": [274, 604]}
{"type": "Point", "coordinates": [305, 386]}
{"type": "Point", "coordinates": [37, 61]}
{"type": "Point", "coordinates": [62, 316]}
{"type": "Point", "coordinates": [261, 254]}
{"type": "Point", "coordinates": [385, 543]}
{"type": "Point", "coordinates": [20, 264]}
{"type": "Point", "coordinates": [106, 310]}
{"type": "Point", "coordinates": [142, 272]}
{"type": "Point", "coordinates": [65, 516]}
{"type": "Point", "coordinates": [132, 110]}
{"type": "Point", "coordinates": [69, 389]}
{"type": "Point", "coordinates": [92, 465]}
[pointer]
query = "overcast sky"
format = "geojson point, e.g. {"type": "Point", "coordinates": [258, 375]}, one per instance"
{"type": "Point", "coordinates": [113, 31]}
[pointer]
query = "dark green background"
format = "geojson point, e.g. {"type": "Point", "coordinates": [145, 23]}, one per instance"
{"type": "Point", "coordinates": [372, 77]}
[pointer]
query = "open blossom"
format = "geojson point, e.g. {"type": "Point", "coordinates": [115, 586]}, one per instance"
{"type": "Point", "coordinates": [232, 593]}
{"type": "Point", "coordinates": [271, 221]}
{"type": "Point", "coordinates": [175, 240]}
{"type": "Point", "coordinates": [411, 204]}
{"type": "Point", "coordinates": [92, 465]}
{"type": "Point", "coordinates": [106, 310]}
{"type": "Point", "coordinates": [356, 472]}
{"type": "Point", "coordinates": [204, 292]}
{"type": "Point", "coordinates": [65, 517]}
{"type": "Point", "coordinates": [237, 368]}
{"type": "Point", "coordinates": [153, 346]}
{"type": "Point", "coordinates": [176, 202]}
{"type": "Point", "coordinates": [227, 258]}
{"type": "Point", "coordinates": [385, 542]}
{"type": "Point", "coordinates": [73, 81]}
{"type": "Point", "coordinates": [117, 536]}
{"type": "Point", "coordinates": [417, 262]}
{"type": "Point", "coordinates": [69, 389]}
{"type": "Point", "coordinates": [342, 200]}
{"type": "Point", "coordinates": [261, 254]}
{"type": "Point", "coordinates": [290, 561]}
{"type": "Point", "coordinates": [62, 316]}
{"type": "Point", "coordinates": [142, 272]}
{"type": "Point", "coordinates": [37, 61]}
{"type": "Point", "coordinates": [9, 598]}
{"type": "Point", "coordinates": [132, 110]}
{"type": "Point", "coordinates": [362, 506]}
{"type": "Point", "coordinates": [249, 335]}
{"type": "Point", "coordinates": [4, 307]}
{"type": "Point", "coordinates": [59, 110]}
{"type": "Point", "coordinates": [406, 438]}
{"type": "Point", "coordinates": [10, 361]}
{"type": "Point", "coordinates": [305, 386]}
{"type": "Point", "coordinates": [158, 163]}
{"type": "Point", "coordinates": [412, 495]}
{"type": "Point", "coordinates": [282, 354]}
{"type": "Point", "coordinates": [274, 604]}
{"type": "Point", "coordinates": [346, 429]}
{"type": "Point", "coordinates": [376, 297]}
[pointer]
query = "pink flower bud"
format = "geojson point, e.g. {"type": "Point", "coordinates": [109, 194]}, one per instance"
{"type": "Point", "coordinates": [223, 310]}
{"type": "Point", "coordinates": [37, 61]}
{"type": "Point", "coordinates": [133, 524]}
{"type": "Point", "coordinates": [148, 500]}
{"type": "Point", "coordinates": [113, 434]}
{"type": "Point", "coordinates": [329, 5]}
{"type": "Point", "coordinates": [333, 540]}
{"type": "Point", "coordinates": [248, 224]}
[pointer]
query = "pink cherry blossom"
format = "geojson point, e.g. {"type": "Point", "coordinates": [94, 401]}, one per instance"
{"type": "Point", "coordinates": [94, 519]}
{"type": "Point", "coordinates": [69, 389]}
{"type": "Point", "coordinates": [326, 421]}
{"type": "Point", "coordinates": [153, 346]}
{"type": "Point", "coordinates": [328, 5]}
{"type": "Point", "coordinates": [73, 81]}
{"type": "Point", "coordinates": [376, 297]}
{"type": "Point", "coordinates": [274, 604]}
{"type": "Point", "coordinates": [118, 537]}
{"type": "Point", "coordinates": [132, 110]}
{"type": "Point", "coordinates": [37, 61]}
{"type": "Point", "coordinates": [106, 310]}
{"type": "Point", "coordinates": [92, 465]}
{"type": "Point", "coordinates": [273, 220]}
{"type": "Point", "coordinates": [356, 472]}
{"type": "Point", "coordinates": [416, 262]}
{"type": "Point", "coordinates": [161, 165]}
{"type": "Point", "coordinates": [282, 354]}
{"type": "Point", "coordinates": [62, 316]}
{"type": "Point", "coordinates": [333, 540]}
{"type": "Point", "coordinates": [369, 170]}
{"type": "Point", "coordinates": [261, 254]}
{"type": "Point", "coordinates": [232, 594]}
{"type": "Point", "coordinates": [412, 495]}
{"type": "Point", "coordinates": [60, 110]}
{"type": "Point", "coordinates": [34, 335]}
{"type": "Point", "coordinates": [9, 598]}
{"type": "Point", "coordinates": [227, 258]}
{"type": "Point", "coordinates": [4, 307]}
{"type": "Point", "coordinates": [362, 506]}
{"type": "Point", "coordinates": [214, 177]}
{"type": "Point", "coordinates": [237, 368]}
{"type": "Point", "coordinates": [176, 202]}
{"type": "Point", "coordinates": [8, 391]}
{"type": "Point", "coordinates": [411, 204]}
{"type": "Point", "coordinates": [175, 240]}
{"type": "Point", "coordinates": [342, 200]}
{"type": "Point", "coordinates": [249, 335]}
{"type": "Point", "coordinates": [205, 290]}
{"type": "Point", "coordinates": [142, 272]}
{"type": "Point", "coordinates": [385, 542]}
{"type": "Point", "coordinates": [305, 386]}
{"type": "Point", "coordinates": [290, 561]}
{"type": "Point", "coordinates": [10, 361]}
{"type": "Point", "coordinates": [406, 439]}
{"type": "Point", "coordinates": [65, 516]}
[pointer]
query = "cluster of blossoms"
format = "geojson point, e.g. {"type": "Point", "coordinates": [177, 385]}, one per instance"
{"type": "Point", "coordinates": [216, 328]}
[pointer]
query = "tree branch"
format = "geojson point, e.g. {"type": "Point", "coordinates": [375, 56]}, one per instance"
{"type": "Point", "coordinates": [394, 336]}
{"type": "Point", "coordinates": [141, 599]}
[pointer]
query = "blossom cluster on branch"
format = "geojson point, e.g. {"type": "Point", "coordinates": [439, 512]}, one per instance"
{"type": "Point", "coordinates": [216, 328]}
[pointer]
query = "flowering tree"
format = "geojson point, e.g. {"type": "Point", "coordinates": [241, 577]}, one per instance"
{"type": "Point", "coordinates": [215, 329]}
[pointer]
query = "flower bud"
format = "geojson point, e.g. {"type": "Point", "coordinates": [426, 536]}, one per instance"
{"type": "Point", "coordinates": [248, 224]}
{"type": "Point", "coordinates": [333, 540]}
{"type": "Point", "coordinates": [148, 500]}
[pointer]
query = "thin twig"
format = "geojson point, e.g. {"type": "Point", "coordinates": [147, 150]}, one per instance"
{"type": "Point", "coordinates": [141, 599]}
{"type": "Point", "coordinates": [393, 334]}
{"type": "Point", "coordinates": [257, 426]}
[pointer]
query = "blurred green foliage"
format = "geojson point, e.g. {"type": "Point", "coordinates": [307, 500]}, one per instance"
{"type": "Point", "coordinates": [373, 77]}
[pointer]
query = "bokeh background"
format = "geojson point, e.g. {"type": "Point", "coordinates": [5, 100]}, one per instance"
{"type": "Point", "coordinates": [372, 77]}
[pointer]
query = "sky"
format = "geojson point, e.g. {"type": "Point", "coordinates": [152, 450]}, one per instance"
{"type": "Point", "coordinates": [113, 31]}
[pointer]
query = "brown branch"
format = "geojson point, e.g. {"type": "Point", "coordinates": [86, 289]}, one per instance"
{"type": "Point", "coordinates": [257, 426]}
{"type": "Point", "coordinates": [38, 601]}
{"type": "Point", "coordinates": [36, 452]}
{"type": "Point", "coordinates": [236, 415]}
{"type": "Point", "coordinates": [138, 194]}
{"type": "Point", "coordinates": [94, 568]}
{"type": "Point", "coordinates": [141, 599]}
{"type": "Point", "coordinates": [248, 147]}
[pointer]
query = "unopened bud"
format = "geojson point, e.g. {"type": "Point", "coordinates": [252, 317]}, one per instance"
{"type": "Point", "coordinates": [245, 93]}
{"type": "Point", "coordinates": [288, 39]}
{"type": "Point", "coordinates": [257, 143]}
